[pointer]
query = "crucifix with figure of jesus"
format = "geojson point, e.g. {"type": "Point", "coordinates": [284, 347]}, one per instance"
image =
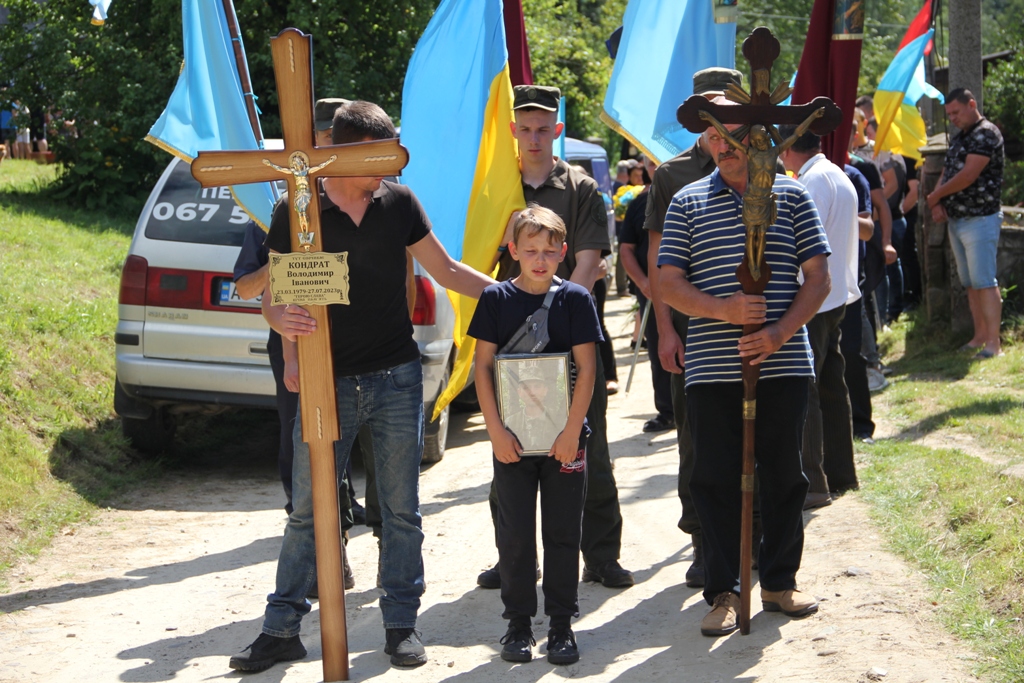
{"type": "Point", "coordinates": [300, 163]}
{"type": "Point", "coordinates": [757, 114]}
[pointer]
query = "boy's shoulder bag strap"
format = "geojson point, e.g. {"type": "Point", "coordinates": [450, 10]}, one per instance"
{"type": "Point", "coordinates": [532, 335]}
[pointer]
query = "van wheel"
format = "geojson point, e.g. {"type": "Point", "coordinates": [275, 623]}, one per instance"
{"type": "Point", "coordinates": [152, 435]}
{"type": "Point", "coordinates": [434, 442]}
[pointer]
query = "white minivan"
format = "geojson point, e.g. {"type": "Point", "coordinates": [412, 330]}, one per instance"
{"type": "Point", "coordinates": [186, 342]}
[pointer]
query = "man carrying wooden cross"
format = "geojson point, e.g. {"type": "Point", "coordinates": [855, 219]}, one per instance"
{"type": "Point", "coordinates": [702, 244]}
{"type": "Point", "coordinates": [378, 381]}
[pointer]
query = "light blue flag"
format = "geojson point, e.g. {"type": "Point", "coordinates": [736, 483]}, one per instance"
{"type": "Point", "coordinates": [559, 146]}
{"type": "Point", "coordinates": [444, 102]}
{"type": "Point", "coordinates": [207, 108]}
{"type": "Point", "coordinates": [919, 87]}
{"type": "Point", "coordinates": [99, 11]}
{"type": "Point", "coordinates": [664, 42]}
{"type": "Point", "coordinates": [789, 100]}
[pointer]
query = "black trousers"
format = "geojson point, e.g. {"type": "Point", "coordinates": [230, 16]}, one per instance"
{"type": "Point", "coordinates": [716, 413]}
{"type": "Point", "coordinates": [828, 432]}
{"type": "Point", "coordinates": [562, 494]}
{"type": "Point", "coordinates": [852, 332]}
{"type": "Point", "coordinates": [605, 350]}
{"type": "Point", "coordinates": [602, 518]}
{"type": "Point", "coordinates": [287, 407]}
{"type": "Point", "coordinates": [689, 522]}
{"type": "Point", "coordinates": [660, 378]}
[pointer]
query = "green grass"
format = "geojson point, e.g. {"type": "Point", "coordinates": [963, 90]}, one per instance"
{"type": "Point", "coordinates": [62, 453]}
{"type": "Point", "coordinates": [58, 310]}
{"type": "Point", "coordinates": [951, 511]}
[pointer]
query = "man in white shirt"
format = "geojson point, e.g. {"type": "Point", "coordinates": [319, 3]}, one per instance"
{"type": "Point", "coordinates": [828, 431]}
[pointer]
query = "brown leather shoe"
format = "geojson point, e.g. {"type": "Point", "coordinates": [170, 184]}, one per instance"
{"type": "Point", "coordinates": [722, 619]}
{"type": "Point", "coordinates": [790, 602]}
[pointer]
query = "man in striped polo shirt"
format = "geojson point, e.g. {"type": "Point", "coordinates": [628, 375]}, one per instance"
{"type": "Point", "coordinates": [701, 247]}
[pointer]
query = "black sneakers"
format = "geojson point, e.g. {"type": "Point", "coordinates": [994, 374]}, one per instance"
{"type": "Point", "coordinates": [405, 647]}
{"type": "Point", "coordinates": [562, 646]}
{"type": "Point", "coordinates": [489, 578]}
{"type": "Point", "coordinates": [266, 651]}
{"type": "Point", "coordinates": [610, 574]}
{"type": "Point", "coordinates": [518, 644]}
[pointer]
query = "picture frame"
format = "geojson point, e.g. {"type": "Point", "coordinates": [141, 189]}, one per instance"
{"type": "Point", "coordinates": [534, 393]}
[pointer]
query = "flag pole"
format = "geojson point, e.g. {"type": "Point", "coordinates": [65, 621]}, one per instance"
{"type": "Point", "coordinates": [636, 349]}
{"type": "Point", "coordinates": [243, 70]}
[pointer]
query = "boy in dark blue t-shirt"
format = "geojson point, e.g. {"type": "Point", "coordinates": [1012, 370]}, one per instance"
{"type": "Point", "coordinates": [538, 244]}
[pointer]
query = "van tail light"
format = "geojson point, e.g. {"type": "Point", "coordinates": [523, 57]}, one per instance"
{"type": "Point", "coordinates": [425, 311]}
{"type": "Point", "coordinates": [133, 281]}
{"type": "Point", "coordinates": [174, 288]}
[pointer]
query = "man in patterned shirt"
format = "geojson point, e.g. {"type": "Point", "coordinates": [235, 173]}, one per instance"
{"type": "Point", "coordinates": [701, 247]}
{"type": "Point", "coordinates": [968, 197]}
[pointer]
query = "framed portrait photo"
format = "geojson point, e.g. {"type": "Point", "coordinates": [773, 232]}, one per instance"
{"type": "Point", "coordinates": [533, 397]}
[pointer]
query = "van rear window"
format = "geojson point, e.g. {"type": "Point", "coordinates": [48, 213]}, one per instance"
{"type": "Point", "coordinates": [186, 212]}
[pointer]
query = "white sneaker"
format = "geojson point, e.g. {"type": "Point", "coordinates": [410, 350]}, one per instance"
{"type": "Point", "coordinates": [876, 380]}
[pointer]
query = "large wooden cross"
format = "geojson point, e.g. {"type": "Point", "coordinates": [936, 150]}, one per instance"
{"type": "Point", "coordinates": [758, 114]}
{"type": "Point", "coordinates": [300, 163]}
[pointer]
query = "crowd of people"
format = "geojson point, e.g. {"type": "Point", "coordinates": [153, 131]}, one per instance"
{"type": "Point", "coordinates": [18, 140]}
{"type": "Point", "coordinates": [840, 249]}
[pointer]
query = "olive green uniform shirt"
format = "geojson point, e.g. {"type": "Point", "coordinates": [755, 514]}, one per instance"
{"type": "Point", "coordinates": [672, 176]}
{"type": "Point", "coordinates": [575, 197]}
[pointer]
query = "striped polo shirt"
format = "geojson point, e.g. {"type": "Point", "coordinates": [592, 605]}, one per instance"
{"type": "Point", "coordinates": [704, 235]}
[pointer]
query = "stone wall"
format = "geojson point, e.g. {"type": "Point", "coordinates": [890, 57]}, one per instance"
{"type": "Point", "coordinates": [944, 297]}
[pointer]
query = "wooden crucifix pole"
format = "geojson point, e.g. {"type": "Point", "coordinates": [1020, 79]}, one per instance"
{"type": "Point", "coordinates": [757, 114]}
{"type": "Point", "coordinates": [300, 163]}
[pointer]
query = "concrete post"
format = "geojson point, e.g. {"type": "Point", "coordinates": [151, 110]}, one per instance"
{"type": "Point", "coordinates": [965, 69]}
{"type": "Point", "coordinates": [932, 242]}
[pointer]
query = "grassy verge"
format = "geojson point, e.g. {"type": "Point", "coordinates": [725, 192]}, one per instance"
{"type": "Point", "coordinates": [61, 449]}
{"type": "Point", "coordinates": [58, 310]}
{"type": "Point", "coordinates": [938, 488]}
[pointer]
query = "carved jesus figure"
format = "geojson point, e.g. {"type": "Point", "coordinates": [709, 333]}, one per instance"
{"type": "Point", "coordinates": [759, 209]}
{"type": "Point", "coordinates": [299, 163]}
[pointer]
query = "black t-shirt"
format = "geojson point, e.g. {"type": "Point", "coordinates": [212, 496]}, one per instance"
{"type": "Point", "coordinates": [503, 307]}
{"type": "Point", "coordinates": [632, 231]}
{"type": "Point", "coordinates": [374, 331]}
{"type": "Point", "coordinates": [869, 171]}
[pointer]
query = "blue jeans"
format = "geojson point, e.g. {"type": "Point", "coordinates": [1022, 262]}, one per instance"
{"type": "Point", "coordinates": [975, 241]}
{"type": "Point", "coordinates": [391, 403]}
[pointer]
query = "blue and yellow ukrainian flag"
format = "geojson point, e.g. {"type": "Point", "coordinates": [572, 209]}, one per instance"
{"type": "Point", "coordinates": [99, 11]}
{"type": "Point", "coordinates": [901, 128]}
{"type": "Point", "coordinates": [463, 163]}
{"type": "Point", "coordinates": [664, 42]}
{"type": "Point", "coordinates": [207, 109]}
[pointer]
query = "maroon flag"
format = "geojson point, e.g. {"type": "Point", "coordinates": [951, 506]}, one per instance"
{"type": "Point", "coordinates": [830, 65]}
{"type": "Point", "coordinates": [515, 39]}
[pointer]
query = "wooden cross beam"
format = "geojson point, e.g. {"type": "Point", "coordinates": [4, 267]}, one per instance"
{"type": "Point", "coordinates": [761, 49]}
{"type": "Point", "coordinates": [300, 164]}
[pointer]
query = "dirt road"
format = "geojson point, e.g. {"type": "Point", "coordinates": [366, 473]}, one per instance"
{"type": "Point", "coordinates": [172, 580]}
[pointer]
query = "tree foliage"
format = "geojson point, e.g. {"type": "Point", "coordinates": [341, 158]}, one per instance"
{"type": "Point", "coordinates": [884, 26]}
{"type": "Point", "coordinates": [113, 81]}
{"type": "Point", "coordinates": [567, 50]}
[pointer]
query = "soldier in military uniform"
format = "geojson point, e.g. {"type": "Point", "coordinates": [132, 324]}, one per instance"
{"type": "Point", "coordinates": [574, 196]}
{"type": "Point", "coordinates": [670, 177]}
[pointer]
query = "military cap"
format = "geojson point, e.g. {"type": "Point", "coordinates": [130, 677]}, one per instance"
{"type": "Point", "coordinates": [539, 96]}
{"type": "Point", "coordinates": [531, 373]}
{"type": "Point", "coordinates": [715, 80]}
{"type": "Point", "coordinates": [323, 112]}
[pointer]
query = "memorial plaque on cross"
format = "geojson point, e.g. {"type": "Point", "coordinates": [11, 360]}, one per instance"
{"type": "Point", "coordinates": [300, 163]}
{"type": "Point", "coordinates": [757, 113]}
